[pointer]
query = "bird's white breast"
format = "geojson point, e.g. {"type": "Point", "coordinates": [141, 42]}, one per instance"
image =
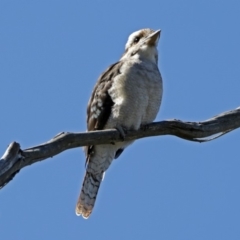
{"type": "Point", "coordinates": [136, 93]}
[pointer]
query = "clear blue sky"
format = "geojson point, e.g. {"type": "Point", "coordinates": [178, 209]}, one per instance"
{"type": "Point", "coordinates": [51, 54]}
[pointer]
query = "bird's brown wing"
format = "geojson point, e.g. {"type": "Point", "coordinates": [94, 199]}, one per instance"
{"type": "Point", "coordinates": [100, 104]}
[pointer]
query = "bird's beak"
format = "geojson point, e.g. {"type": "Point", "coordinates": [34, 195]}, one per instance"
{"type": "Point", "coordinates": [153, 38]}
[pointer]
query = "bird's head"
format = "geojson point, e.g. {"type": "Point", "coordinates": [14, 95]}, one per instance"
{"type": "Point", "coordinates": [142, 44]}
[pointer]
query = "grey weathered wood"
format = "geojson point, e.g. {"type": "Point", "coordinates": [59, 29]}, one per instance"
{"type": "Point", "coordinates": [15, 159]}
{"type": "Point", "coordinates": [10, 156]}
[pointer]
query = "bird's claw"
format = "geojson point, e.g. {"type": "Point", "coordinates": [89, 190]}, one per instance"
{"type": "Point", "coordinates": [144, 127]}
{"type": "Point", "coordinates": [121, 131]}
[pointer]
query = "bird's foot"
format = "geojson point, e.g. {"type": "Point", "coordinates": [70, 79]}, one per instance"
{"type": "Point", "coordinates": [144, 127]}
{"type": "Point", "coordinates": [121, 131]}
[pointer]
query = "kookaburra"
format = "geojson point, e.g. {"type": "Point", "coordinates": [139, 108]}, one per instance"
{"type": "Point", "coordinates": [127, 95]}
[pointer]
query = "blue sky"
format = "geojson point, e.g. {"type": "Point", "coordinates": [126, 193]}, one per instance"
{"type": "Point", "coordinates": [51, 54]}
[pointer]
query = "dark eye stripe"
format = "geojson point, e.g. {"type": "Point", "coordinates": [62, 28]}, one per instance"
{"type": "Point", "coordinates": [136, 39]}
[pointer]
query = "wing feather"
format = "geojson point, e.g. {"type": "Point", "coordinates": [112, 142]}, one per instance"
{"type": "Point", "coordinates": [100, 104]}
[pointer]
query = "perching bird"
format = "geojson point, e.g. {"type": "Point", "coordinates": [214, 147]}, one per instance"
{"type": "Point", "coordinates": [127, 95]}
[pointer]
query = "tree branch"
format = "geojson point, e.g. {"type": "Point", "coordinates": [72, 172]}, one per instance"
{"type": "Point", "coordinates": [14, 159]}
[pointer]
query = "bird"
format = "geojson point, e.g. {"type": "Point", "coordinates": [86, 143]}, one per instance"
{"type": "Point", "coordinates": [126, 96]}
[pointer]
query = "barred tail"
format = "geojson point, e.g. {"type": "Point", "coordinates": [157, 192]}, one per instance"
{"type": "Point", "coordinates": [88, 195]}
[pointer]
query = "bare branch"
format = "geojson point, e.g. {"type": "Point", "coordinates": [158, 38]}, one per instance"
{"type": "Point", "coordinates": [14, 159]}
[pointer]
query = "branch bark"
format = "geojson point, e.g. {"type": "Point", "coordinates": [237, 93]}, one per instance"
{"type": "Point", "coordinates": [14, 159]}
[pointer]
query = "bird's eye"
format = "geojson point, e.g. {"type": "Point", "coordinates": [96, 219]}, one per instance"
{"type": "Point", "coordinates": [136, 39]}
